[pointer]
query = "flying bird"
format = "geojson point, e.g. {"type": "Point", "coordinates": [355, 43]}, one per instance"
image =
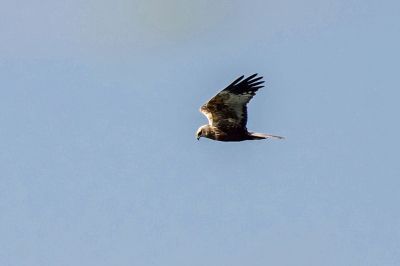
{"type": "Point", "coordinates": [227, 112]}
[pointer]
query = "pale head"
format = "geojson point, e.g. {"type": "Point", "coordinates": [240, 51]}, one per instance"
{"type": "Point", "coordinates": [201, 132]}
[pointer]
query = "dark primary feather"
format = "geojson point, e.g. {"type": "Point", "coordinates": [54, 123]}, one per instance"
{"type": "Point", "coordinates": [249, 84]}
{"type": "Point", "coordinates": [227, 110]}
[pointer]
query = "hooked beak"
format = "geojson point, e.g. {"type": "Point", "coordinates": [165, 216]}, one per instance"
{"type": "Point", "coordinates": [198, 137]}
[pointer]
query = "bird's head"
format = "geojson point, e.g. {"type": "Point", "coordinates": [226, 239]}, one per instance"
{"type": "Point", "coordinates": [201, 132]}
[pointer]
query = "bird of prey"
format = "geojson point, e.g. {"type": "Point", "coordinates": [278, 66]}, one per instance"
{"type": "Point", "coordinates": [227, 112]}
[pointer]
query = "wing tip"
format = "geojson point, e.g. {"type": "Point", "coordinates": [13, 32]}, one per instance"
{"type": "Point", "coordinates": [237, 80]}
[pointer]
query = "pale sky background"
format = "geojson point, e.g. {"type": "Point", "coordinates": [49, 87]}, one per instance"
{"type": "Point", "coordinates": [99, 164]}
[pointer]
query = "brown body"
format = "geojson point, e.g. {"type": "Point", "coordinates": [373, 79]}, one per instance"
{"type": "Point", "coordinates": [237, 134]}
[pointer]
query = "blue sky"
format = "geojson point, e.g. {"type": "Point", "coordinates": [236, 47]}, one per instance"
{"type": "Point", "coordinates": [99, 164]}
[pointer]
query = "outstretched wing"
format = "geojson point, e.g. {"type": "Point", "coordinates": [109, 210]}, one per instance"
{"type": "Point", "coordinates": [228, 108]}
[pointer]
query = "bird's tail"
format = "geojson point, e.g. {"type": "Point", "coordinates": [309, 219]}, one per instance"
{"type": "Point", "coordinates": [254, 135]}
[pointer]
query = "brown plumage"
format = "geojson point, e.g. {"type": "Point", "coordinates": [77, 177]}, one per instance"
{"type": "Point", "coordinates": [227, 112]}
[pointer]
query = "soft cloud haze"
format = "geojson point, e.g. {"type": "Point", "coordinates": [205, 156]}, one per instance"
{"type": "Point", "coordinates": [99, 164]}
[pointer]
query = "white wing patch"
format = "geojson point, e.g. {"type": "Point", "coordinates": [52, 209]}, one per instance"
{"type": "Point", "coordinates": [238, 101]}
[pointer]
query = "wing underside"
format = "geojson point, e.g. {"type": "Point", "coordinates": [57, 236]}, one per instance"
{"type": "Point", "coordinates": [228, 108]}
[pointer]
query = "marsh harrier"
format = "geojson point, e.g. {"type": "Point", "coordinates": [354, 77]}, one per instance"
{"type": "Point", "coordinates": [227, 112]}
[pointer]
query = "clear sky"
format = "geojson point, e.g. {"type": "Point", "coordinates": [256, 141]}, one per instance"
{"type": "Point", "coordinates": [99, 164]}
